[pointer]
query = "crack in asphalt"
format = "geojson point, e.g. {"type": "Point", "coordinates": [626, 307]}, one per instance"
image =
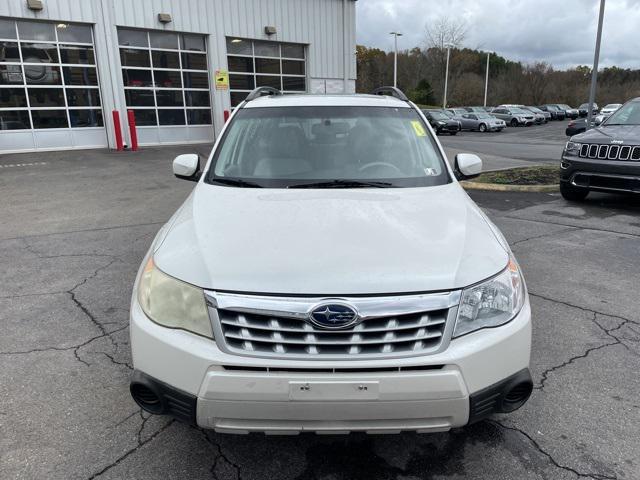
{"type": "Point", "coordinates": [567, 230]}
{"type": "Point", "coordinates": [122, 457]}
{"type": "Point", "coordinates": [538, 447]}
{"type": "Point", "coordinates": [607, 331]}
{"type": "Point", "coordinates": [585, 354]}
{"type": "Point", "coordinates": [131, 415]}
{"type": "Point", "coordinates": [116, 362]}
{"type": "Point", "coordinates": [594, 229]}
{"type": "Point", "coordinates": [30, 248]}
{"type": "Point", "coordinates": [75, 348]}
{"type": "Point", "coordinates": [219, 455]}
{"type": "Point", "coordinates": [99, 229]}
{"type": "Point", "coordinates": [584, 309]}
{"type": "Point", "coordinates": [142, 425]}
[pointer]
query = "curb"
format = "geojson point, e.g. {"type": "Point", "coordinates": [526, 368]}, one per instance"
{"type": "Point", "coordinates": [499, 187]}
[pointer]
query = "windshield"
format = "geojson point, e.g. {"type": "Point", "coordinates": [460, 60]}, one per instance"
{"type": "Point", "coordinates": [534, 109]}
{"type": "Point", "coordinates": [520, 111]}
{"type": "Point", "coordinates": [612, 106]}
{"type": "Point", "coordinates": [483, 115]}
{"type": "Point", "coordinates": [286, 147]}
{"type": "Point", "coordinates": [566, 107]}
{"type": "Point", "coordinates": [627, 115]}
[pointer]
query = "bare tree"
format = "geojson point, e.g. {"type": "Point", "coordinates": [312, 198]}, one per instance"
{"type": "Point", "coordinates": [445, 31]}
{"type": "Point", "coordinates": [442, 33]}
{"type": "Point", "coordinates": [538, 77]}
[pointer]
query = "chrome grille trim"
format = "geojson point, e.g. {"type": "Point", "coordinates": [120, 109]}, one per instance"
{"type": "Point", "coordinates": [610, 152]}
{"type": "Point", "coordinates": [277, 327]}
{"type": "Point", "coordinates": [602, 151]}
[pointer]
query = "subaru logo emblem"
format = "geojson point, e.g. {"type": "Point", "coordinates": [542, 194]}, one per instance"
{"type": "Point", "coordinates": [333, 315]}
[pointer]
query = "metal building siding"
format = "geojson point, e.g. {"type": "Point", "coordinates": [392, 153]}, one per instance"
{"type": "Point", "coordinates": [314, 22]}
{"type": "Point", "coordinates": [69, 10]}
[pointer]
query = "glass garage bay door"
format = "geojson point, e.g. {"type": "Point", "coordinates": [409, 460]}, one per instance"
{"type": "Point", "coordinates": [254, 63]}
{"type": "Point", "coordinates": [166, 83]}
{"type": "Point", "coordinates": [49, 86]}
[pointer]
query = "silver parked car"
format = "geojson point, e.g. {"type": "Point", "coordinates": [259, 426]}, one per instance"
{"type": "Point", "coordinates": [541, 117]}
{"type": "Point", "coordinates": [482, 122]}
{"type": "Point", "coordinates": [514, 116]}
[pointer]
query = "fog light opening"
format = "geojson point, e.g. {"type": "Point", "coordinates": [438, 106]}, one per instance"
{"type": "Point", "coordinates": [516, 396]}
{"type": "Point", "coordinates": [148, 399]}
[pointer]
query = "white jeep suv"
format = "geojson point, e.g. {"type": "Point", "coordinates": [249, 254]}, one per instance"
{"type": "Point", "coordinates": [329, 273]}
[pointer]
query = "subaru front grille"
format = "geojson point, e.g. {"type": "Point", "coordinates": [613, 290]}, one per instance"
{"type": "Point", "coordinates": [387, 326]}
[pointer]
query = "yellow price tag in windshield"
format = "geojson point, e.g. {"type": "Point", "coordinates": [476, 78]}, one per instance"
{"type": "Point", "coordinates": [418, 128]}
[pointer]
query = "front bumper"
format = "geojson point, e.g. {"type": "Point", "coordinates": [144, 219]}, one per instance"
{"type": "Point", "coordinates": [601, 175]}
{"type": "Point", "coordinates": [231, 393]}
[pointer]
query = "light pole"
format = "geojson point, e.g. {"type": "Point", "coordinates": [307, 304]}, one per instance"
{"type": "Point", "coordinates": [486, 81]}
{"type": "Point", "coordinates": [395, 57]}
{"type": "Point", "coordinates": [446, 75]}
{"type": "Point", "coordinates": [594, 73]}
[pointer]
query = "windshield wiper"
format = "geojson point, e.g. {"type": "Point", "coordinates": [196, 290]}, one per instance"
{"type": "Point", "coordinates": [235, 182]}
{"type": "Point", "coordinates": [343, 184]}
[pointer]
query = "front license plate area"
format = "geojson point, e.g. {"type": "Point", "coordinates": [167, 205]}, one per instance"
{"type": "Point", "coordinates": [333, 391]}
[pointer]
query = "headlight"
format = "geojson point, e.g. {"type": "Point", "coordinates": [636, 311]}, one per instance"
{"type": "Point", "coordinates": [441, 123]}
{"type": "Point", "coordinates": [572, 149]}
{"type": "Point", "coordinates": [491, 303]}
{"type": "Point", "coordinates": [172, 303]}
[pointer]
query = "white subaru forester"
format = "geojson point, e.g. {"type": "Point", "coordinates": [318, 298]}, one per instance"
{"type": "Point", "coordinates": [329, 273]}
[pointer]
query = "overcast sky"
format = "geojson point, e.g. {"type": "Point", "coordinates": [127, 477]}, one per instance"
{"type": "Point", "coordinates": [561, 32]}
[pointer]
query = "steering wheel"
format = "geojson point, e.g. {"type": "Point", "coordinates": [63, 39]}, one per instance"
{"type": "Point", "coordinates": [380, 164]}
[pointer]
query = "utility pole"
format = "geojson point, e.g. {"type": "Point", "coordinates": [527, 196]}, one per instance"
{"type": "Point", "coordinates": [594, 72]}
{"type": "Point", "coordinates": [486, 81]}
{"type": "Point", "coordinates": [446, 76]}
{"type": "Point", "coordinates": [395, 57]}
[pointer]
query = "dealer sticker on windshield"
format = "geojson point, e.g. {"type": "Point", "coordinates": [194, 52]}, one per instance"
{"type": "Point", "coordinates": [418, 128]}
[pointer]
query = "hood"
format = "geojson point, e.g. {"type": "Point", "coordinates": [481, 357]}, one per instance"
{"type": "Point", "coordinates": [330, 241]}
{"type": "Point", "coordinates": [626, 134]}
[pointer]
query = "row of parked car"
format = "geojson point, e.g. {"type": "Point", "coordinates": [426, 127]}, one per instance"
{"type": "Point", "coordinates": [495, 119]}
{"type": "Point", "coordinates": [580, 125]}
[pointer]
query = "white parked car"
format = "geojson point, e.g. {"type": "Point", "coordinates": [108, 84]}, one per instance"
{"type": "Point", "coordinates": [329, 273]}
{"type": "Point", "coordinates": [607, 110]}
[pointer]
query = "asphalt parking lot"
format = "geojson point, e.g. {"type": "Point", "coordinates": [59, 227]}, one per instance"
{"type": "Point", "coordinates": [513, 147]}
{"type": "Point", "coordinates": [74, 227]}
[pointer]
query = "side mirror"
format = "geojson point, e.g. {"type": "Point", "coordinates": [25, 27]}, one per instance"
{"type": "Point", "coordinates": [187, 167]}
{"type": "Point", "coordinates": [598, 121]}
{"type": "Point", "coordinates": [467, 166]}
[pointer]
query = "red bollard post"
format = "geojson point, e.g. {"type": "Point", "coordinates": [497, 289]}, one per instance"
{"type": "Point", "coordinates": [226, 115]}
{"type": "Point", "coordinates": [118, 130]}
{"type": "Point", "coordinates": [132, 130]}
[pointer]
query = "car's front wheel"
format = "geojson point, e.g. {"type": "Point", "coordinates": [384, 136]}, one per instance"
{"type": "Point", "coordinates": [453, 133]}
{"type": "Point", "coordinates": [482, 127]}
{"type": "Point", "coordinates": [514, 122]}
{"type": "Point", "coordinates": [572, 193]}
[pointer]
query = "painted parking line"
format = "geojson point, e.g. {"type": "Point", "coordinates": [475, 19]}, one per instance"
{"type": "Point", "coordinates": [31, 164]}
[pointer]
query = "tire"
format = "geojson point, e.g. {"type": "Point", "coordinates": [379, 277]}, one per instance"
{"type": "Point", "coordinates": [514, 122]}
{"type": "Point", "coordinates": [572, 193]}
{"type": "Point", "coordinates": [499, 130]}
{"type": "Point", "coordinates": [453, 133]}
{"type": "Point", "coordinates": [482, 127]}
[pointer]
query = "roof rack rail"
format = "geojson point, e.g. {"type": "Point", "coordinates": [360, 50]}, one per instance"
{"type": "Point", "coordinates": [393, 91]}
{"type": "Point", "coordinates": [260, 91]}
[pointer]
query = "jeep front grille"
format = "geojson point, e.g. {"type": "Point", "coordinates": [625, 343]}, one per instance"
{"type": "Point", "coordinates": [610, 152]}
{"type": "Point", "coordinates": [405, 326]}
